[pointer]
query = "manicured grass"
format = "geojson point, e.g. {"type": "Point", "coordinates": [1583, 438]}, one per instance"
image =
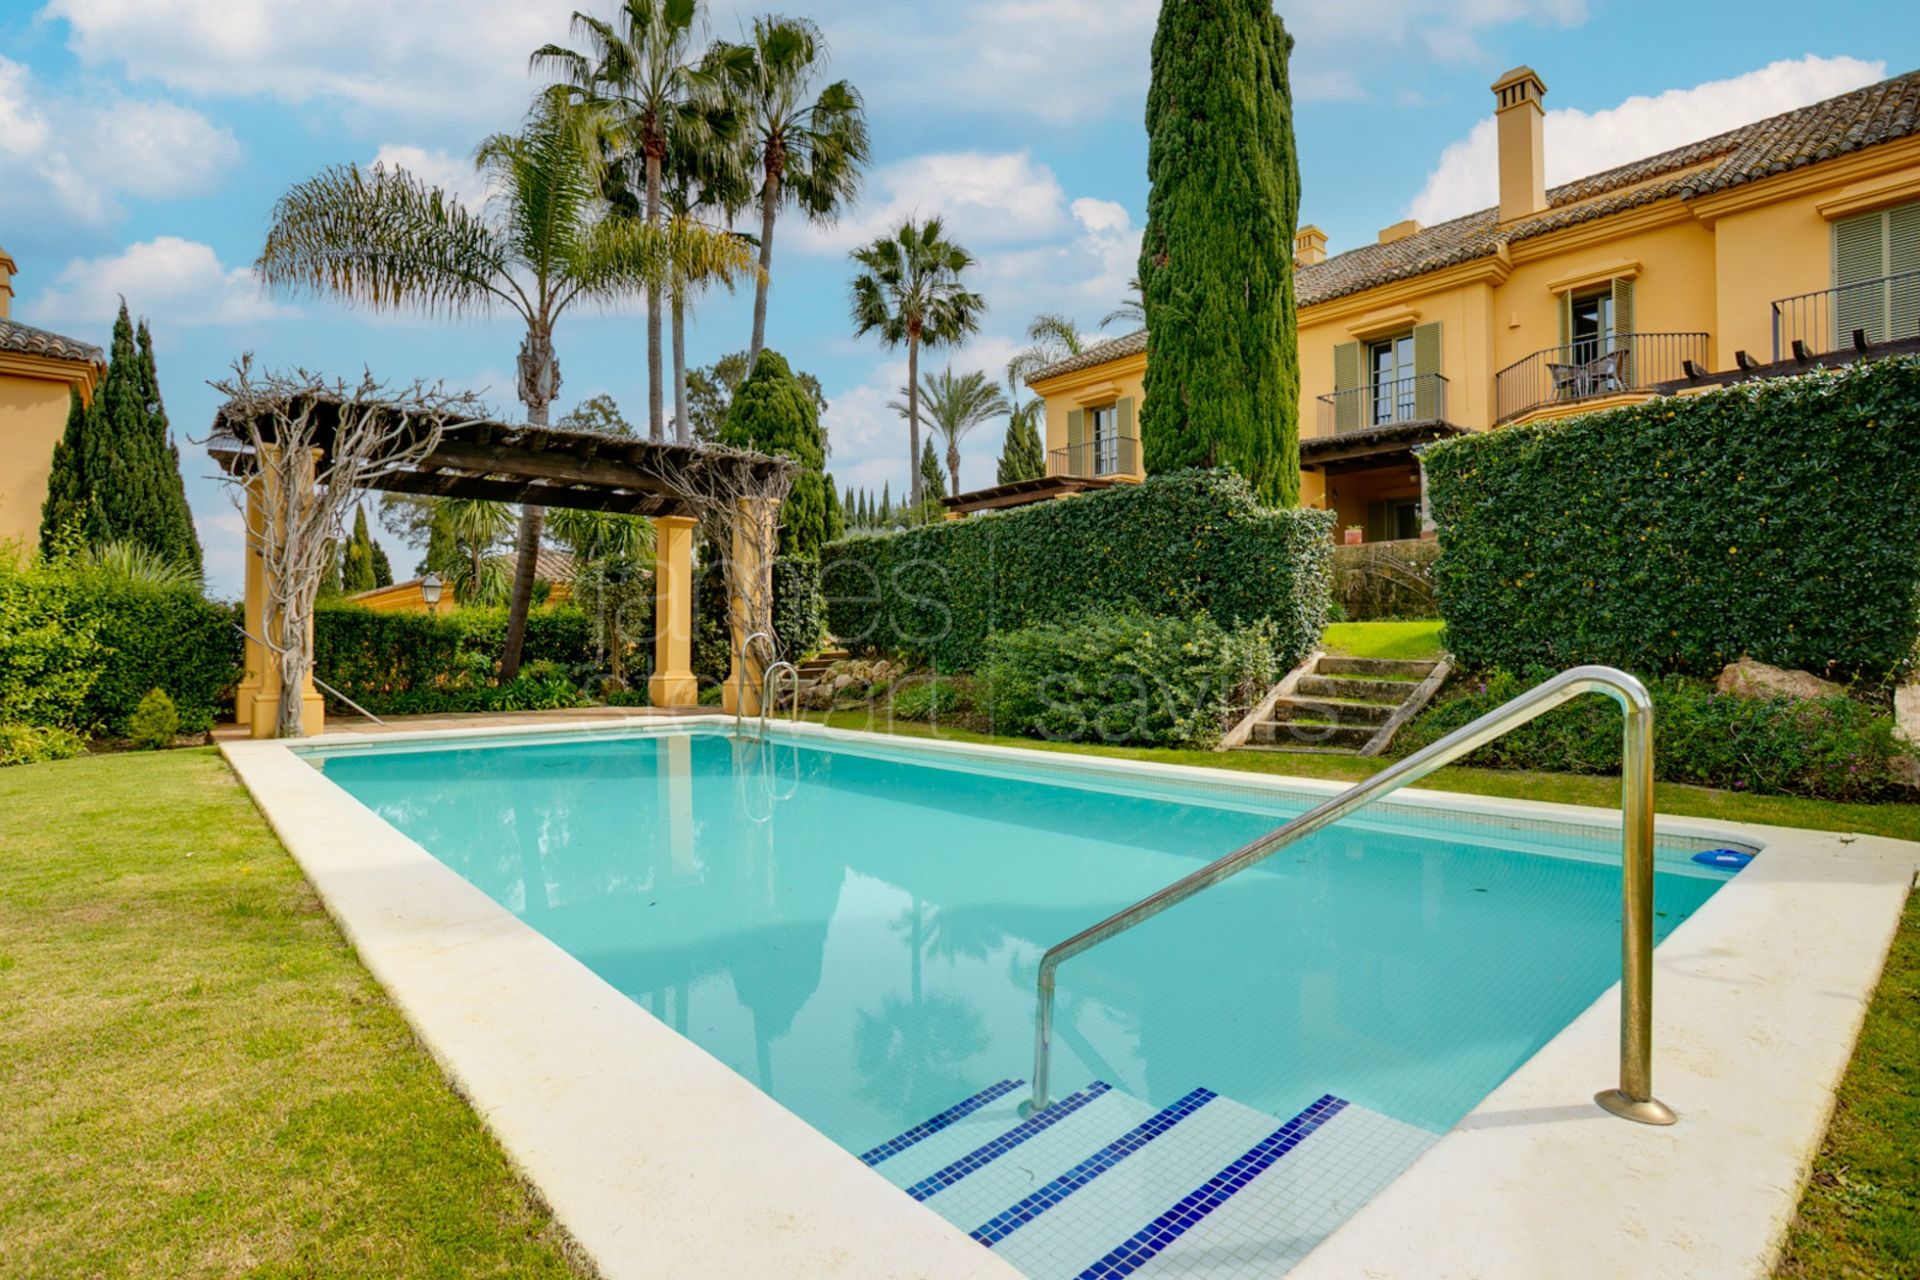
{"type": "Point", "coordinates": [1901, 821]}
{"type": "Point", "coordinates": [1403, 640]}
{"type": "Point", "coordinates": [199, 1077]}
{"type": "Point", "coordinates": [1860, 1216]}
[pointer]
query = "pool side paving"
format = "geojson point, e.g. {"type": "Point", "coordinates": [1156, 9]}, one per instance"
{"type": "Point", "coordinates": [659, 1160]}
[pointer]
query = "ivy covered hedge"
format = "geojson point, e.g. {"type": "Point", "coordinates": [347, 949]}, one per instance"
{"type": "Point", "coordinates": [408, 663]}
{"type": "Point", "coordinates": [1778, 519]}
{"type": "Point", "coordinates": [1179, 544]}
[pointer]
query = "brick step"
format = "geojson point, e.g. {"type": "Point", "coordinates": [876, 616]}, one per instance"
{"type": "Point", "coordinates": [1354, 688]}
{"type": "Point", "coordinates": [1293, 733]}
{"type": "Point", "coordinates": [1402, 668]}
{"type": "Point", "coordinates": [1332, 710]}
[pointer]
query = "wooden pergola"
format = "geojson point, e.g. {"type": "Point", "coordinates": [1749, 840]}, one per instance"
{"type": "Point", "coordinates": [674, 485]}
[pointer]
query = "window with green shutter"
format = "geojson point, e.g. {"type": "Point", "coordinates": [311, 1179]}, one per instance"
{"type": "Point", "coordinates": [1876, 275]}
{"type": "Point", "coordinates": [1348, 392]}
{"type": "Point", "coordinates": [1076, 442]}
{"type": "Point", "coordinates": [1126, 451]}
{"type": "Point", "coordinates": [1429, 399]}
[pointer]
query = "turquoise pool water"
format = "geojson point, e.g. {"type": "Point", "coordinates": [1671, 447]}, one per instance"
{"type": "Point", "coordinates": [856, 930]}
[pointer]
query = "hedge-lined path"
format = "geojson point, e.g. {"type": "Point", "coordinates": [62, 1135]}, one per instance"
{"type": "Point", "coordinates": [201, 1079]}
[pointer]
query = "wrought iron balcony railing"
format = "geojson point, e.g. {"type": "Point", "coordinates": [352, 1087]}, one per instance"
{"type": "Point", "coordinates": [1885, 309]}
{"type": "Point", "coordinates": [1105, 455]}
{"type": "Point", "coordinates": [1421, 398]}
{"type": "Point", "coordinates": [1590, 367]}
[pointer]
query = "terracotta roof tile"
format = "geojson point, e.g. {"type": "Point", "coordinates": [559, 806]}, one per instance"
{"type": "Point", "coordinates": [1131, 344]}
{"type": "Point", "coordinates": [27, 340]}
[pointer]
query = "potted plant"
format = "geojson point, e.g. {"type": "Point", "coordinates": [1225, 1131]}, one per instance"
{"type": "Point", "coordinates": [1354, 535]}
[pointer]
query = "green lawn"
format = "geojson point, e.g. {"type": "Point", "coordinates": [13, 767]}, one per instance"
{"type": "Point", "coordinates": [200, 1078]}
{"type": "Point", "coordinates": [1413, 640]}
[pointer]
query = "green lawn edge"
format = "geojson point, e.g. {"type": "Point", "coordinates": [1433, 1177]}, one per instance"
{"type": "Point", "coordinates": [201, 1077]}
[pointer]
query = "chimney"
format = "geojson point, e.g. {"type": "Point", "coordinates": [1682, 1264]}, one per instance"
{"type": "Point", "coordinates": [1309, 246]}
{"type": "Point", "coordinates": [6, 284]}
{"type": "Point", "coordinates": [1399, 231]}
{"type": "Point", "coordinates": [1523, 166]}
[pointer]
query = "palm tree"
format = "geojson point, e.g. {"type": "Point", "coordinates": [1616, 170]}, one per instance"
{"type": "Point", "coordinates": [1053, 338]}
{"type": "Point", "coordinates": [385, 240]}
{"type": "Point", "coordinates": [639, 68]}
{"type": "Point", "coordinates": [910, 290]}
{"type": "Point", "coordinates": [706, 173]}
{"type": "Point", "coordinates": [955, 406]}
{"type": "Point", "coordinates": [478, 526]}
{"type": "Point", "coordinates": [1132, 308]}
{"type": "Point", "coordinates": [808, 151]}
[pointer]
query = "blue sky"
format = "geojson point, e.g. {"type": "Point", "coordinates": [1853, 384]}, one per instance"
{"type": "Point", "coordinates": [143, 142]}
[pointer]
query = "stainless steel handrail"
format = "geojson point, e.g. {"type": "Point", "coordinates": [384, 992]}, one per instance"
{"type": "Point", "coordinates": [769, 690]}
{"type": "Point", "coordinates": [740, 670]}
{"type": "Point", "coordinates": [1633, 1099]}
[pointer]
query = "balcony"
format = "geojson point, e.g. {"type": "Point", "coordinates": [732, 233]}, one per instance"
{"type": "Point", "coordinates": [1098, 459]}
{"type": "Point", "coordinates": [1590, 368]}
{"type": "Point", "coordinates": [1422, 398]}
{"type": "Point", "coordinates": [1851, 316]}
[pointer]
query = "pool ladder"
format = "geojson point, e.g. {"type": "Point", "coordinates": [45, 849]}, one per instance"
{"type": "Point", "coordinates": [1633, 1099]}
{"type": "Point", "coordinates": [769, 683]}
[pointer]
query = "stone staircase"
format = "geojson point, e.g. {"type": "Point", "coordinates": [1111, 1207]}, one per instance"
{"type": "Point", "coordinates": [1101, 1184]}
{"type": "Point", "coordinates": [1336, 705]}
{"type": "Point", "coordinates": [818, 665]}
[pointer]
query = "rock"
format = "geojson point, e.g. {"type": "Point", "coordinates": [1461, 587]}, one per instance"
{"type": "Point", "coordinates": [1749, 679]}
{"type": "Point", "coordinates": [1905, 771]}
{"type": "Point", "coordinates": [1906, 713]}
{"type": "Point", "coordinates": [841, 681]}
{"type": "Point", "coordinates": [819, 696]}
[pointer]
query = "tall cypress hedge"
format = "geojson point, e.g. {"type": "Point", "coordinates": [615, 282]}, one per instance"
{"type": "Point", "coordinates": [1216, 263]}
{"type": "Point", "coordinates": [1778, 519]}
{"type": "Point", "coordinates": [1179, 544]}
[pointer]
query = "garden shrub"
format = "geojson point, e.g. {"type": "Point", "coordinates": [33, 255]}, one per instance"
{"type": "Point", "coordinates": [1127, 678]}
{"type": "Point", "coordinates": [1178, 544]}
{"type": "Point", "coordinates": [37, 744]}
{"type": "Point", "coordinates": [81, 644]}
{"type": "Point", "coordinates": [1778, 519]}
{"type": "Point", "coordinates": [916, 699]}
{"type": "Point", "coordinates": [1832, 748]}
{"type": "Point", "coordinates": [155, 722]}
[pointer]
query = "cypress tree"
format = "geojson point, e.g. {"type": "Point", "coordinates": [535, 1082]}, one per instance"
{"type": "Point", "coordinates": [382, 567]}
{"type": "Point", "coordinates": [836, 513]}
{"type": "Point", "coordinates": [1022, 457]}
{"type": "Point", "coordinates": [886, 505]}
{"type": "Point", "coordinates": [356, 565]}
{"type": "Point", "coordinates": [116, 476]}
{"type": "Point", "coordinates": [933, 478]}
{"type": "Point", "coordinates": [1216, 263]}
{"type": "Point", "coordinates": [773, 413]}
{"type": "Point", "coordinates": [177, 515]}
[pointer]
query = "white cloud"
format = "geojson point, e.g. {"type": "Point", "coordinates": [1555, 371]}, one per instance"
{"type": "Point", "coordinates": [440, 59]}
{"type": "Point", "coordinates": [74, 158]}
{"type": "Point", "coordinates": [1446, 30]}
{"type": "Point", "coordinates": [983, 199]}
{"type": "Point", "coordinates": [175, 282]}
{"type": "Point", "coordinates": [1579, 143]}
{"type": "Point", "coordinates": [453, 174]}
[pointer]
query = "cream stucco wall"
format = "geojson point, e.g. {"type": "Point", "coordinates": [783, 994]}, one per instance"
{"type": "Point", "coordinates": [1089, 389]}
{"type": "Point", "coordinates": [33, 416]}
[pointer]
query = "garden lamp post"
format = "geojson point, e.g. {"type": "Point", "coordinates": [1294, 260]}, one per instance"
{"type": "Point", "coordinates": [430, 588]}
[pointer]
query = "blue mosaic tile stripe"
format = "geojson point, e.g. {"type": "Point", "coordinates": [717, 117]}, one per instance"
{"type": "Point", "coordinates": [1011, 1219]}
{"type": "Point", "coordinates": [1216, 1191]}
{"type": "Point", "coordinates": [952, 1115]}
{"type": "Point", "coordinates": [1038, 1122]}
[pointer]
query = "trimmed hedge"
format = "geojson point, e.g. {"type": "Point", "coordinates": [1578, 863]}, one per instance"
{"type": "Point", "coordinates": [1831, 748]}
{"type": "Point", "coordinates": [1179, 544]}
{"type": "Point", "coordinates": [408, 663]}
{"type": "Point", "coordinates": [1778, 519]}
{"type": "Point", "coordinates": [81, 645]}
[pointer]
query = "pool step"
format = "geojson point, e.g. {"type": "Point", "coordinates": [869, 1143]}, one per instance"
{"type": "Point", "coordinates": [1102, 1184]}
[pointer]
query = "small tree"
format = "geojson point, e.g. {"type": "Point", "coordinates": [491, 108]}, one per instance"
{"type": "Point", "coordinates": [1023, 457]}
{"type": "Point", "coordinates": [773, 413]}
{"type": "Point", "coordinates": [356, 563]}
{"type": "Point", "coordinates": [311, 447]}
{"type": "Point", "coordinates": [933, 484]}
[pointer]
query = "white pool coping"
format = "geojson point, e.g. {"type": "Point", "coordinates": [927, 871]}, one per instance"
{"type": "Point", "coordinates": [660, 1160]}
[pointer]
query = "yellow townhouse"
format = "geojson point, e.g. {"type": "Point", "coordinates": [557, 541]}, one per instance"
{"type": "Point", "coordinates": [1792, 241]}
{"type": "Point", "coordinates": [39, 372]}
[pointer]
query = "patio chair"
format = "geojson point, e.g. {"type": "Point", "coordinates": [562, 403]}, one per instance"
{"type": "Point", "coordinates": [1568, 380]}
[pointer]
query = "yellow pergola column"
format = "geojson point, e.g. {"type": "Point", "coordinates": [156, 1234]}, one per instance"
{"type": "Point", "coordinates": [750, 588]}
{"type": "Point", "coordinates": [257, 705]}
{"type": "Point", "coordinates": [672, 683]}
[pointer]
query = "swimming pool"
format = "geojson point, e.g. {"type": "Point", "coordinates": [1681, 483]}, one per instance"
{"type": "Point", "coordinates": [855, 929]}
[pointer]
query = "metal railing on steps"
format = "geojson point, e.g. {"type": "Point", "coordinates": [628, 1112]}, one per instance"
{"type": "Point", "coordinates": [1633, 1099]}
